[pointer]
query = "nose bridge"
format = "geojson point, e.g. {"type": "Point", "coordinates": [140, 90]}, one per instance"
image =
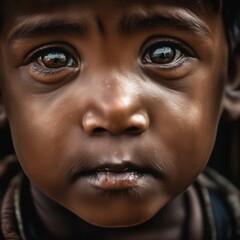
{"type": "Point", "coordinates": [117, 95]}
{"type": "Point", "coordinates": [117, 91]}
{"type": "Point", "coordinates": [118, 100]}
{"type": "Point", "coordinates": [117, 107]}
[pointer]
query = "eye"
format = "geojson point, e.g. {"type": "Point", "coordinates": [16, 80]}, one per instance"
{"type": "Point", "coordinates": [166, 53]}
{"type": "Point", "coordinates": [161, 54]}
{"type": "Point", "coordinates": [53, 63]}
{"type": "Point", "coordinates": [56, 59]}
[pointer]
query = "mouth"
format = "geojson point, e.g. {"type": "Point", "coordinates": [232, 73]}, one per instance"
{"type": "Point", "coordinates": [117, 176]}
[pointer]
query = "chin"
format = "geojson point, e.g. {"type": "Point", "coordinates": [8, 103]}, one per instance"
{"type": "Point", "coordinates": [116, 224]}
{"type": "Point", "coordinates": [118, 221]}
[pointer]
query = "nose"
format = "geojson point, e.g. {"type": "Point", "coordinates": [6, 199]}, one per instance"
{"type": "Point", "coordinates": [122, 114]}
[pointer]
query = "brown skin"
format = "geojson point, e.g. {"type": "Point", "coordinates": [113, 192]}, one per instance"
{"type": "Point", "coordinates": [109, 108]}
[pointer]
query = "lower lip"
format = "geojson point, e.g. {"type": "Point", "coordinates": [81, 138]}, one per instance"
{"type": "Point", "coordinates": [115, 180]}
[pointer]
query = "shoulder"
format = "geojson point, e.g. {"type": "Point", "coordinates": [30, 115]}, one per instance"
{"type": "Point", "coordinates": [9, 169]}
{"type": "Point", "coordinates": [221, 202]}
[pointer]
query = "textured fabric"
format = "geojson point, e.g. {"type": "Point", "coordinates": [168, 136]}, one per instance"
{"type": "Point", "coordinates": [9, 180]}
{"type": "Point", "coordinates": [220, 202]}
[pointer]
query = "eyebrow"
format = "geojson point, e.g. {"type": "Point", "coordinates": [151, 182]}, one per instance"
{"type": "Point", "coordinates": [33, 28]}
{"type": "Point", "coordinates": [183, 22]}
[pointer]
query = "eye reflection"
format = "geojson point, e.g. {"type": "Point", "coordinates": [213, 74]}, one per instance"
{"type": "Point", "coordinates": [56, 59]}
{"type": "Point", "coordinates": [162, 54]}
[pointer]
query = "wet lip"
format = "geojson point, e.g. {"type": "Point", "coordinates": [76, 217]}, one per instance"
{"type": "Point", "coordinates": [116, 177]}
{"type": "Point", "coordinates": [108, 180]}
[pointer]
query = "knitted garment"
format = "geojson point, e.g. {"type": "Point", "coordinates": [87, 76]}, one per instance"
{"type": "Point", "coordinates": [220, 203]}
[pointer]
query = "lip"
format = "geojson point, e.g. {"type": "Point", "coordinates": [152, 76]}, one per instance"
{"type": "Point", "coordinates": [108, 180]}
{"type": "Point", "coordinates": [116, 176]}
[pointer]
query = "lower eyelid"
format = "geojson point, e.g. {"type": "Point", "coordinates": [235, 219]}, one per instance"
{"type": "Point", "coordinates": [167, 67]}
{"type": "Point", "coordinates": [48, 76]}
{"type": "Point", "coordinates": [43, 70]}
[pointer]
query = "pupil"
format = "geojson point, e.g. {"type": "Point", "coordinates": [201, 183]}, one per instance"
{"type": "Point", "coordinates": [162, 55]}
{"type": "Point", "coordinates": [55, 60]}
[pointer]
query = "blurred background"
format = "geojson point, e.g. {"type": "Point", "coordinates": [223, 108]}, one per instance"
{"type": "Point", "coordinates": [226, 153]}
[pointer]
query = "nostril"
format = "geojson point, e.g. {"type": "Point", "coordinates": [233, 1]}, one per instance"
{"type": "Point", "coordinates": [99, 130]}
{"type": "Point", "coordinates": [132, 130]}
{"type": "Point", "coordinates": [132, 124]}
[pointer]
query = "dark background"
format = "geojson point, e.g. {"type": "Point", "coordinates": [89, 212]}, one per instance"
{"type": "Point", "coordinates": [226, 153]}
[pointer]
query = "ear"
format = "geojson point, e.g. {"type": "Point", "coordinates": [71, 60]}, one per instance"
{"type": "Point", "coordinates": [3, 115]}
{"type": "Point", "coordinates": [231, 101]}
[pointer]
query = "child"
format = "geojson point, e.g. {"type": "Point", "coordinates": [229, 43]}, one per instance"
{"type": "Point", "coordinates": [113, 107]}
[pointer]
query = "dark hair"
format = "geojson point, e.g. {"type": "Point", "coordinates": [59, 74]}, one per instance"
{"type": "Point", "coordinates": [231, 17]}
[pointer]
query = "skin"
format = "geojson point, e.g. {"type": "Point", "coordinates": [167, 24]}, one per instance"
{"type": "Point", "coordinates": [108, 137]}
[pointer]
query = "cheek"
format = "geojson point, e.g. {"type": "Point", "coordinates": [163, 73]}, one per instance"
{"type": "Point", "coordinates": [185, 129]}
{"type": "Point", "coordinates": [40, 135]}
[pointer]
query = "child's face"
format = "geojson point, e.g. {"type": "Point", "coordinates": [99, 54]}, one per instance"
{"type": "Point", "coordinates": [113, 105]}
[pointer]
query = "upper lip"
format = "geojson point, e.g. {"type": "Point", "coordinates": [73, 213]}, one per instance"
{"type": "Point", "coordinates": [110, 167]}
{"type": "Point", "coordinates": [118, 168]}
{"type": "Point", "coordinates": [116, 160]}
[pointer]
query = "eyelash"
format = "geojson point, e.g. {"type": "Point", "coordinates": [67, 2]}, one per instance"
{"type": "Point", "coordinates": [181, 53]}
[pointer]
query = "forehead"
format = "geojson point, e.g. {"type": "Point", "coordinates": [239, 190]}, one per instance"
{"type": "Point", "coordinates": [14, 11]}
{"type": "Point", "coordinates": [43, 5]}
